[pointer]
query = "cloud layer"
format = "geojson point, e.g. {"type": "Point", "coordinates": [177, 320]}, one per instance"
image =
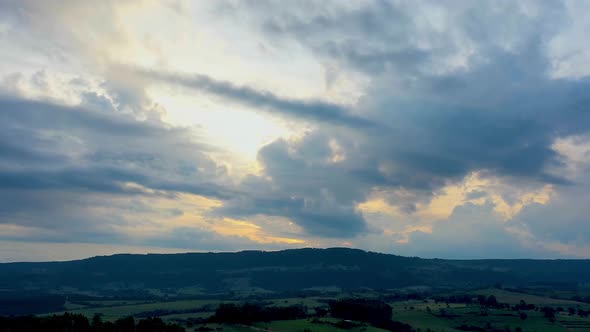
{"type": "Point", "coordinates": [438, 129]}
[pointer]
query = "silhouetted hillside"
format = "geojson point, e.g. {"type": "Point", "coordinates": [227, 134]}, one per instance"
{"type": "Point", "coordinates": [283, 271]}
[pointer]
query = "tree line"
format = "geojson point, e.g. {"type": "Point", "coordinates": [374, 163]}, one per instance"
{"type": "Point", "coordinates": [249, 313]}
{"type": "Point", "coordinates": [79, 323]}
{"type": "Point", "coordinates": [374, 312]}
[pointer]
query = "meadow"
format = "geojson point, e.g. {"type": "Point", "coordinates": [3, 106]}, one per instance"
{"type": "Point", "coordinates": [425, 314]}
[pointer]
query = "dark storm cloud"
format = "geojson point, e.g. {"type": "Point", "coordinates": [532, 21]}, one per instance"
{"type": "Point", "coordinates": [453, 88]}
{"type": "Point", "coordinates": [493, 119]}
{"type": "Point", "coordinates": [374, 38]}
{"type": "Point", "coordinates": [47, 146]}
{"type": "Point", "coordinates": [498, 114]}
{"type": "Point", "coordinates": [397, 38]}
{"type": "Point", "coordinates": [83, 173]}
{"type": "Point", "coordinates": [304, 186]}
{"type": "Point", "coordinates": [322, 112]}
{"type": "Point", "coordinates": [109, 180]}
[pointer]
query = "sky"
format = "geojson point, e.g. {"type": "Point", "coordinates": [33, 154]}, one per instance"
{"type": "Point", "coordinates": [450, 129]}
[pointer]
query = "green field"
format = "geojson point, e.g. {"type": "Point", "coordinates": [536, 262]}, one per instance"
{"type": "Point", "coordinates": [505, 296]}
{"type": "Point", "coordinates": [298, 325]}
{"type": "Point", "coordinates": [301, 324]}
{"type": "Point", "coordinates": [422, 315]}
{"type": "Point", "coordinates": [112, 312]}
{"type": "Point", "coordinates": [419, 317]}
{"type": "Point", "coordinates": [309, 302]}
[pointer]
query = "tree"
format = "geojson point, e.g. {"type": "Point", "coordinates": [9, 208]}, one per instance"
{"type": "Point", "coordinates": [97, 324]}
{"type": "Point", "coordinates": [491, 301]}
{"type": "Point", "coordinates": [549, 313]}
{"type": "Point", "coordinates": [320, 312]}
{"type": "Point", "coordinates": [126, 324]}
{"type": "Point", "coordinates": [481, 299]}
{"type": "Point", "coordinates": [371, 311]}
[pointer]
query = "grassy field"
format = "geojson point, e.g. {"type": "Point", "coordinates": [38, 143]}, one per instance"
{"type": "Point", "coordinates": [423, 315]}
{"type": "Point", "coordinates": [419, 317]}
{"type": "Point", "coordinates": [309, 302]}
{"type": "Point", "coordinates": [505, 296]}
{"type": "Point", "coordinates": [117, 311]}
{"type": "Point", "coordinates": [301, 324]}
{"type": "Point", "coordinates": [428, 315]}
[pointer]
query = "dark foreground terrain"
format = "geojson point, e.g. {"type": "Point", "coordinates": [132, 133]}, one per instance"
{"type": "Point", "coordinates": [294, 290]}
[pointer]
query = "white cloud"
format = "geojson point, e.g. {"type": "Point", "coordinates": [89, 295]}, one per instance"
{"type": "Point", "coordinates": [432, 128]}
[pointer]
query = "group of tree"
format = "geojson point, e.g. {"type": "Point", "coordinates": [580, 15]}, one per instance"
{"type": "Point", "coordinates": [489, 328]}
{"type": "Point", "coordinates": [79, 323]}
{"type": "Point", "coordinates": [583, 313]}
{"type": "Point", "coordinates": [522, 305]}
{"type": "Point", "coordinates": [249, 313]}
{"type": "Point", "coordinates": [371, 311]}
{"type": "Point", "coordinates": [490, 302]}
{"type": "Point", "coordinates": [26, 303]}
{"type": "Point", "coordinates": [374, 312]}
{"type": "Point", "coordinates": [164, 312]}
{"type": "Point", "coordinates": [549, 313]}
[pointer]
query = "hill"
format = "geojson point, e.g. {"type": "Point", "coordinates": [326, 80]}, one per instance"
{"type": "Point", "coordinates": [286, 270]}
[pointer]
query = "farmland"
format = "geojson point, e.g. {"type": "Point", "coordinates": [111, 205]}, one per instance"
{"type": "Point", "coordinates": [295, 290]}
{"type": "Point", "coordinates": [424, 314]}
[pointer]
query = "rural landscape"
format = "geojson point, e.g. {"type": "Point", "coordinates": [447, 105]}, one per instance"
{"type": "Point", "coordinates": [334, 289]}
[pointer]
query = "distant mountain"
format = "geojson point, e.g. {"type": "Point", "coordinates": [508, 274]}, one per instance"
{"type": "Point", "coordinates": [285, 270]}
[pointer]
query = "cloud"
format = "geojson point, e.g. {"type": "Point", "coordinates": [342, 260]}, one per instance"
{"type": "Point", "coordinates": [481, 234]}
{"type": "Point", "coordinates": [15, 251]}
{"type": "Point", "coordinates": [314, 110]}
{"type": "Point", "coordinates": [439, 92]}
{"type": "Point", "coordinates": [51, 146]}
{"type": "Point", "coordinates": [72, 173]}
{"type": "Point", "coordinates": [469, 98]}
{"type": "Point", "coordinates": [564, 221]}
{"type": "Point", "coordinates": [300, 182]}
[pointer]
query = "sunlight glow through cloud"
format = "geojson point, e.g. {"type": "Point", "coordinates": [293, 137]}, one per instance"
{"type": "Point", "coordinates": [399, 127]}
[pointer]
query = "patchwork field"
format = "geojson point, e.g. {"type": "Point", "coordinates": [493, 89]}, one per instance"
{"type": "Point", "coordinates": [113, 310]}
{"type": "Point", "coordinates": [302, 324]}
{"type": "Point", "coordinates": [422, 315]}
{"type": "Point", "coordinates": [509, 297]}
